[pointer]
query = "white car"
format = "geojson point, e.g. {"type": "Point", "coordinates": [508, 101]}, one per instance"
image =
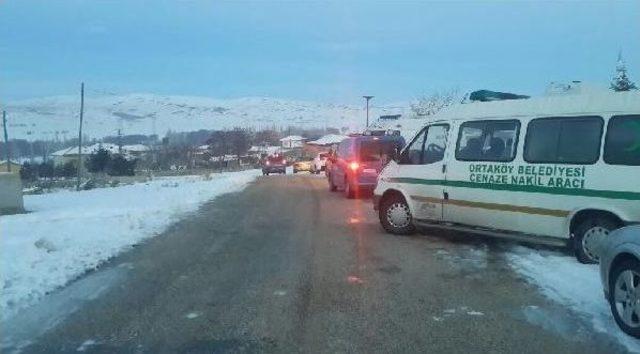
{"type": "Point", "coordinates": [320, 162]}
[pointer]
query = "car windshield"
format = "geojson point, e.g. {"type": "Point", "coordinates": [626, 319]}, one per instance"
{"type": "Point", "coordinates": [230, 176]}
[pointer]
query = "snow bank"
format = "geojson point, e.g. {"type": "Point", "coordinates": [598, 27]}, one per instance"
{"type": "Point", "coordinates": [564, 280]}
{"type": "Point", "coordinates": [69, 232]}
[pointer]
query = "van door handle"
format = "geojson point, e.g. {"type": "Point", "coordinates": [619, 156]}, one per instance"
{"type": "Point", "coordinates": [446, 195]}
{"type": "Point", "coordinates": [444, 168]}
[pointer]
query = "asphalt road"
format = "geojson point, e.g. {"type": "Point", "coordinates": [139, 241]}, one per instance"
{"type": "Point", "coordinates": [286, 266]}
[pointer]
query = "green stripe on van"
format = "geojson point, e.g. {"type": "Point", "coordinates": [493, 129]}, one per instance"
{"type": "Point", "coordinates": [522, 188]}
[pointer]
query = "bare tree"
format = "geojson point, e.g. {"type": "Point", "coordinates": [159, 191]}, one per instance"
{"type": "Point", "coordinates": [239, 140]}
{"type": "Point", "coordinates": [429, 105]}
{"type": "Point", "coordinates": [219, 144]}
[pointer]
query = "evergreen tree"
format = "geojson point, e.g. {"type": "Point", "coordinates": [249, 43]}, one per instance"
{"type": "Point", "coordinates": [68, 170]}
{"type": "Point", "coordinates": [621, 81]}
{"type": "Point", "coordinates": [98, 161]}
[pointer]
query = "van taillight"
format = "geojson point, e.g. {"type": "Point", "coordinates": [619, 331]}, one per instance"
{"type": "Point", "coordinates": [354, 166]}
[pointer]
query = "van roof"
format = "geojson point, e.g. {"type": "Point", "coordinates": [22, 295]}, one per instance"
{"type": "Point", "coordinates": [568, 104]}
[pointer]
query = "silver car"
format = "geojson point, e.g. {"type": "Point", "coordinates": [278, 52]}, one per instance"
{"type": "Point", "coordinates": [620, 275]}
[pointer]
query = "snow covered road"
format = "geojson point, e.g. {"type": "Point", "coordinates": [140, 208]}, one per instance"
{"type": "Point", "coordinates": [67, 233]}
{"type": "Point", "coordinates": [286, 266]}
{"type": "Point", "coordinates": [283, 263]}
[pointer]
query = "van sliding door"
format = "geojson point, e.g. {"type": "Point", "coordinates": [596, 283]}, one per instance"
{"type": "Point", "coordinates": [483, 161]}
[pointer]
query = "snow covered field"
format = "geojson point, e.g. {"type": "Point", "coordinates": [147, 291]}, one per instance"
{"type": "Point", "coordinates": [561, 278]}
{"type": "Point", "coordinates": [67, 233]}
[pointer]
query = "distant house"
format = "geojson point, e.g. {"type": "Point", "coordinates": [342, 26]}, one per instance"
{"type": "Point", "coordinates": [328, 140]}
{"type": "Point", "coordinates": [15, 166]}
{"type": "Point", "coordinates": [259, 151]}
{"type": "Point", "coordinates": [292, 141]}
{"type": "Point", "coordinates": [63, 156]}
{"type": "Point", "coordinates": [390, 117]}
{"type": "Point", "coordinates": [135, 150]}
{"type": "Point", "coordinates": [323, 144]}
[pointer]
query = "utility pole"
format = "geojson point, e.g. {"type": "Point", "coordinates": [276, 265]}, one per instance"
{"type": "Point", "coordinates": [80, 136]}
{"type": "Point", "coordinates": [120, 141]}
{"type": "Point", "coordinates": [6, 140]}
{"type": "Point", "coordinates": [367, 98]}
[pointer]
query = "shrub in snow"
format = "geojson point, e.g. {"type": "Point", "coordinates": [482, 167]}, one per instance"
{"type": "Point", "coordinates": [46, 245]}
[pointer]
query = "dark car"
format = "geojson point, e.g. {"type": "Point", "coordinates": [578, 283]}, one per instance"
{"type": "Point", "coordinates": [274, 164]}
{"type": "Point", "coordinates": [358, 160]}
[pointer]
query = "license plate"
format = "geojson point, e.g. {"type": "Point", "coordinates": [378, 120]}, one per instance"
{"type": "Point", "coordinates": [370, 171]}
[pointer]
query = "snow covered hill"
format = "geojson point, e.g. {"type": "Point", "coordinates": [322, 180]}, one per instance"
{"type": "Point", "coordinates": [57, 117]}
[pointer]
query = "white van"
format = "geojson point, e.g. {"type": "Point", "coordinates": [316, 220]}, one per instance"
{"type": "Point", "coordinates": [553, 169]}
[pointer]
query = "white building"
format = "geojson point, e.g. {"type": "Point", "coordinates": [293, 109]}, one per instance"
{"type": "Point", "coordinates": [63, 156]}
{"type": "Point", "coordinates": [292, 141]}
{"type": "Point", "coordinates": [264, 150]}
{"type": "Point", "coordinates": [328, 140]}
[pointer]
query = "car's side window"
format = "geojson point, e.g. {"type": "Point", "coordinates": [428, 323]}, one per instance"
{"type": "Point", "coordinates": [412, 155]}
{"type": "Point", "coordinates": [435, 143]}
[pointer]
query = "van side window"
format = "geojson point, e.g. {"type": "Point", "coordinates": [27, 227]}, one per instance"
{"type": "Point", "coordinates": [622, 143]}
{"type": "Point", "coordinates": [427, 147]}
{"type": "Point", "coordinates": [488, 140]}
{"type": "Point", "coordinates": [412, 155]}
{"type": "Point", "coordinates": [435, 143]}
{"type": "Point", "coordinates": [570, 140]}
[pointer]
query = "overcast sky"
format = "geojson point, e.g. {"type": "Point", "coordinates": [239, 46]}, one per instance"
{"type": "Point", "coordinates": [328, 51]}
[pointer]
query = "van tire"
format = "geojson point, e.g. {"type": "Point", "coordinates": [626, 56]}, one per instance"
{"type": "Point", "coordinates": [395, 201]}
{"type": "Point", "coordinates": [597, 224]}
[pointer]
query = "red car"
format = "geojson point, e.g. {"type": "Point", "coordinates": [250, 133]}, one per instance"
{"type": "Point", "coordinates": [358, 160]}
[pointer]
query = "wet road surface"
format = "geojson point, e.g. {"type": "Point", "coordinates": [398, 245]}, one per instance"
{"type": "Point", "coordinates": [287, 266]}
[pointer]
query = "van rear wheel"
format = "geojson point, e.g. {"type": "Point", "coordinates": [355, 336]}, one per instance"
{"type": "Point", "coordinates": [395, 216]}
{"type": "Point", "coordinates": [589, 235]}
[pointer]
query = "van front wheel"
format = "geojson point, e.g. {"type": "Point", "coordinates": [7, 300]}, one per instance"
{"type": "Point", "coordinates": [589, 236]}
{"type": "Point", "coordinates": [395, 216]}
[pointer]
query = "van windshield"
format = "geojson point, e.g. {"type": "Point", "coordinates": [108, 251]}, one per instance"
{"type": "Point", "coordinates": [376, 150]}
